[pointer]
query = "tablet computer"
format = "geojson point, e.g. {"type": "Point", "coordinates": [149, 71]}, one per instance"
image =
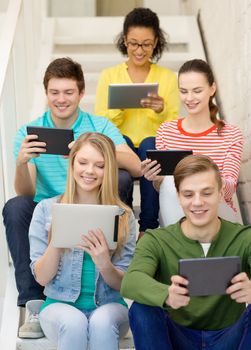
{"type": "Point", "coordinates": [209, 276]}
{"type": "Point", "coordinates": [167, 159]}
{"type": "Point", "coordinates": [71, 221]}
{"type": "Point", "coordinates": [129, 95]}
{"type": "Point", "coordinates": [56, 139]}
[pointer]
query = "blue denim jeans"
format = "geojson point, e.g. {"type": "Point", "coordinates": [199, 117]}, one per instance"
{"type": "Point", "coordinates": [149, 197]}
{"type": "Point", "coordinates": [70, 328]}
{"type": "Point", "coordinates": [125, 186]}
{"type": "Point", "coordinates": [17, 214]}
{"type": "Point", "coordinates": [153, 329]}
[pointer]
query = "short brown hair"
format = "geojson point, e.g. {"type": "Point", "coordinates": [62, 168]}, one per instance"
{"type": "Point", "coordinates": [65, 67]}
{"type": "Point", "coordinates": [194, 164]}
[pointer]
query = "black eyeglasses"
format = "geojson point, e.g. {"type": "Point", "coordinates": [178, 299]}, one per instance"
{"type": "Point", "coordinates": [133, 45]}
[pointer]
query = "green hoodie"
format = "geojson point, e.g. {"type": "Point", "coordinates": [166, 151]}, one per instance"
{"type": "Point", "coordinates": [156, 260]}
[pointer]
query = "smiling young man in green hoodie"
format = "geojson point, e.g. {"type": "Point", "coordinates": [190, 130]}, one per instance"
{"type": "Point", "coordinates": [163, 315]}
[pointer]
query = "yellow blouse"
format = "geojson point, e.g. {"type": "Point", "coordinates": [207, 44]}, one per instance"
{"type": "Point", "coordinates": [141, 122]}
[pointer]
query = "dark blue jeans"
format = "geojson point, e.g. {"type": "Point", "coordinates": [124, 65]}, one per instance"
{"type": "Point", "coordinates": [125, 186]}
{"type": "Point", "coordinates": [149, 197]}
{"type": "Point", "coordinates": [17, 214]}
{"type": "Point", "coordinates": [153, 329]}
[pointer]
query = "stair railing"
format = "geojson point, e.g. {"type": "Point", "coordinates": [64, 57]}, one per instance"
{"type": "Point", "coordinates": [20, 37]}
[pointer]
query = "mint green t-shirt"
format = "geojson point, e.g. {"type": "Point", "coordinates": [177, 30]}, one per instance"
{"type": "Point", "coordinates": [85, 300]}
{"type": "Point", "coordinates": [51, 168]}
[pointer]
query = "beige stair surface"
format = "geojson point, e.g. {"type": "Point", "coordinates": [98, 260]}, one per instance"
{"type": "Point", "coordinates": [44, 344]}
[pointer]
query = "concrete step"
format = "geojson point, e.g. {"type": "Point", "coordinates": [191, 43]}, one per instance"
{"type": "Point", "coordinates": [45, 344]}
{"type": "Point", "coordinates": [82, 39]}
{"type": "Point", "coordinates": [96, 30]}
{"type": "Point", "coordinates": [91, 80]}
{"type": "Point", "coordinates": [96, 62]}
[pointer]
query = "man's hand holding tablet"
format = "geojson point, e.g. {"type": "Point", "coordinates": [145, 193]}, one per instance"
{"type": "Point", "coordinates": [55, 140]}
{"type": "Point", "coordinates": [30, 148]}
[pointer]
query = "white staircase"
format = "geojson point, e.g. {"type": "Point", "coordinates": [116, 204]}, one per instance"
{"type": "Point", "coordinates": [90, 41]}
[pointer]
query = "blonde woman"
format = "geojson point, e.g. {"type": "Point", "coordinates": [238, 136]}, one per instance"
{"type": "Point", "coordinates": [84, 308]}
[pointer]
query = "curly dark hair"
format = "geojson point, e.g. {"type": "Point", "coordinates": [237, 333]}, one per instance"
{"type": "Point", "coordinates": [143, 17]}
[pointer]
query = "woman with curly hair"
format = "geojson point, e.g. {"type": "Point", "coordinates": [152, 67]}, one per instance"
{"type": "Point", "coordinates": [142, 41]}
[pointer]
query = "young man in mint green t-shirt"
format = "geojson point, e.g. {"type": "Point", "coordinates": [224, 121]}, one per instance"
{"type": "Point", "coordinates": [163, 315]}
{"type": "Point", "coordinates": [40, 175]}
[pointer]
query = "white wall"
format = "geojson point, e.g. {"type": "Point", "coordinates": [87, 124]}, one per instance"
{"type": "Point", "coordinates": [116, 7]}
{"type": "Point", "coordinates": [3, 5]}
{"type": "Point", "coordinates": [164, 8]}
{"type": "Point", "coordinates": [59, 8]}
{"type": "Point", "coordinates": [227, 30]}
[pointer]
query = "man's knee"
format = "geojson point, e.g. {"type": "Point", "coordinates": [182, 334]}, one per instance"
{"type": "Point", "coordinates": [143, 315]}
{"type": "Point", "coordinates": [147, 143]}
{"type": "Point", "coordinates": [136, 312]}
{"type": "Point", "coordinates": [125, 181]}
{"type": "Point", "coordinates": [17, 214]}
{"type": "Point", "coordinates": [18, 206]}
{"type": "Point", "coordinates": [125, 187]}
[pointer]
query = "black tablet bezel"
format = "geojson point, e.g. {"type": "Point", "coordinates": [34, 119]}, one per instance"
{"type": "Point", "coordinates": [168, 159]}
{"type": "Point", "coordinates": [56, 139]}
{"type": "Point", "coordinates": [209, 276]}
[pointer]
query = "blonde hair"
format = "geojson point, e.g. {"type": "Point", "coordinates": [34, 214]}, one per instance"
{"type": "Point", "coordinates": [108, 193]}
